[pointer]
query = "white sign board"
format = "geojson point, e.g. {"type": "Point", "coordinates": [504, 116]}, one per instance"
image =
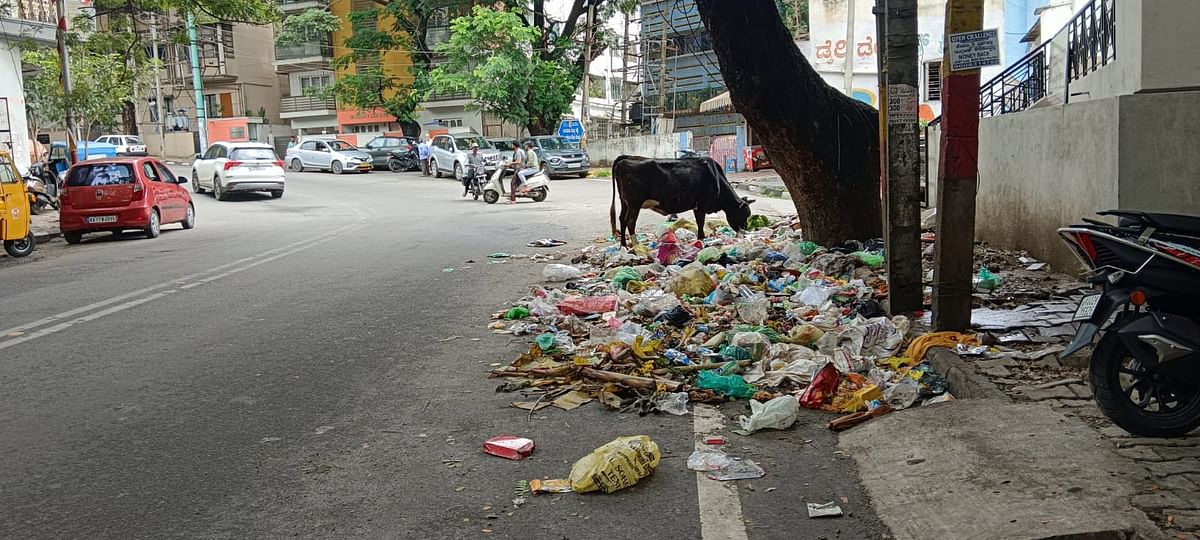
{"type": "Point", "coordinates": [902, 104]}
{"type": "Point", "coordinates": [973, 50]}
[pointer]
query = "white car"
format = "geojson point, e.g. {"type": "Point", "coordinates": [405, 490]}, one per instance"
{"type": "Point", "coordinates": [449, 153]}
{"type": "Point", "coordinates": [238, 167]}
{"type": "Point", "coordinates": [334, 155]}
{"type": "Point", "coordinates": [127, 145]}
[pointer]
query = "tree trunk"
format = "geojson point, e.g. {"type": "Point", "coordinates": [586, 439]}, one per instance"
{"type": "Point", "coordinates": [129, 118]}
{"type": "Point", "coordinates": [824, 144]}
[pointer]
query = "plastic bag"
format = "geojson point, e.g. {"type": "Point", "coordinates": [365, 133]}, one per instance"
{"type": "Point", "coordinates": [668, 248]}
{"type": "Point", "coordinates": [519, 312]}
{"type": "Point", "coordinates": [541, 308]}
{"type": "Point", "coordinates": [674, 403]}
{"type": "Point", "coordinates": [805, 334]}
{"type": "Point", "coordinates": [691, 281]}
{"type": "Point", "coordinates": [728, 385]}
{"type": "Point", "coordinates": [623, 276]}
{"type": "Point", "coordinates": [708, 460]}
{"type": "Point", "coordinates": [872, 260]}
{"type": "Point", "coordinates": [822, 389]}
{"type": "Point", "coordinates": [985, 280]}
{"type": "Point", "coordinates": [902, 394]}
{"type": "Point", "coordinates": [755, 311]}
{"type": "Point", "coordinates": [616, 465]}
{"type": "Point", "coordinates": [651, 303]}
{"type": "Point", "coordinates": [754, 342]}
{"type": "Point", "coordinates": [779, 413]}
{"type": "Point", "coordinates": [560, 272]}
{"type": "Point", "coordinates": [813, 295]}
{"type": "Point", "coordinates": [708, 254]}
{"type": "Point", "coordinates": [587, 305]}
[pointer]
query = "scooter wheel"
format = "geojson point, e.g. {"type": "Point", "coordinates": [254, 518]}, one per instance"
{"type": "Point", "coordinates": [539, 195]}
{"type": "Point", "coordinates": [1162, 407]}
{"type": "Point", "coordinates": [491, 197]}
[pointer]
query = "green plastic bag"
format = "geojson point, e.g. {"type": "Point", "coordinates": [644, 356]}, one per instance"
{"type": "Point", "coordinates": [519, 312]}
{"type": "Point", "coordinates": [729, 385]}
{"type": "Point", "coordinates": [807, 248]}
{"type": "Point", "coordinates": [872, 260]}
{"type": "Point", "coordinates": [986, 281]}
{"type": "Point", "coordinates": [545, 341]}
{"type": "Point", "coordinates": [757, 221]}
{"type": "Point", "coordinates": [708, 254]}
{"type": "Point", "coordinates": [624, 275]}
{"type": "Point", "coordinates": [764, 330]}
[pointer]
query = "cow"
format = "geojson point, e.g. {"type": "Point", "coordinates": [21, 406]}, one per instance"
{"type": "Point", "coordinates": [671, 186]}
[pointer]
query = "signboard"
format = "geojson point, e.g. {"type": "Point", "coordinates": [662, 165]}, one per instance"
{"type": "Point", "coordinates": [973, 50]}
{"type": "Point", "coordinates": [902, 104]}
{"type": "Point", "coordinates": [571, 129]}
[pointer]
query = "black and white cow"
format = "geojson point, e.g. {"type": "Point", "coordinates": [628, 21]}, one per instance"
{"type": "Point", "coordinates": [671, 186]}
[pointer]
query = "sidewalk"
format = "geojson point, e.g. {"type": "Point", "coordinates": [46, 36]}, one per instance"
{"type": "Point", "coordinates": [45, 226]}
{"type": "Point", "coordinates": [765, 183]}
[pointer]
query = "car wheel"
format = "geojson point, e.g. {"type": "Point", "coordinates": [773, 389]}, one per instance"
{"type": "Point", "coordinates": [219, 190]}
{"type": "Point", "coordinates": [546, 171]}
{"type": "Point", "coordinates": [21, 247]}
{"type": "Point", "coordinates": [458, 171]}
{"type": "Point", "coordinates": [296, 165]}
{"type": "Point", "coordinates": [73, 237]}
{"type": "Point", "coordinates": [196, 183]}
{"type": "Point", "coordinates": [189, 220]}
{"type": "Point", "coordinates": [277, 194]}
{"type": "Point", "coordinates": [437, 173]}
{"type": "Point", "coordinates": [336, 167]}
{"type": "Point", "coordinates": [153, 228]}
{"type": "Point", "coordinates": [583, 175]}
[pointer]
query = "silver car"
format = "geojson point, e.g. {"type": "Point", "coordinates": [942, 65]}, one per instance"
{"type": "Point", "coordinates": [328, 155]}
{"type": "Point", "coordinates": [450, 154]}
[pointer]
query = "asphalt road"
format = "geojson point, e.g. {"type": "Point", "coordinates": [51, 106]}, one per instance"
{"type": "Point", "coordinates": [310, 367]}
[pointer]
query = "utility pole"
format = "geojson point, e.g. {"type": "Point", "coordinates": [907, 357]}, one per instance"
{"type": "Point", "coordinates": [625, 72]}
{"type": "Point", "coordinates": [957, 174]}
{"type": "Point", "coordinates": [584, 115]}
{"type": "Point", "coordinates": [848, 73]}
{"type": "Point", "coordinates": [158, 98]}
{"type": "Point", "coordinates": [197, 83]}
{"type": "Point", "coordinates": [64, 74]}
{"type": "Point", "coordinates": [902, 198]}
{"type": "Point", "coordinates": [662, 74]}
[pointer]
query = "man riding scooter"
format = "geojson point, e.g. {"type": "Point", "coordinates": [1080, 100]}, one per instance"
{"type": "Point", "coordinates": [526, 163]}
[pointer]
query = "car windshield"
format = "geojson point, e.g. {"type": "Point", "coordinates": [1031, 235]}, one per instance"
{"type": "Point", "coordinates": [247, 154]}
{"type": "Point", "coordinates": [341, 146]}
{"type": "Point", "coordinates": [100, 174]}
{"type": "Point", "coordinates": [502, 145]}
{"type": "Point", "coordinates": [464, 143]}
{"type": "Point", "coordinates": [133, 140]}
{"type": "Point", "coordinates": [555, 143]}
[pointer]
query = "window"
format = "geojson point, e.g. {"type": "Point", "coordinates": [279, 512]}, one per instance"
{"type": "Point", "coordinates": [451, 122]}
{"type": "Point", "coordinates": [6, 172]}
{"type": "Point", "coordinates": [314, 83]}
{"type": "Point", "coordinates": [615, 89]}
{"type": "Point", "coordinates": [464, 143]}
{"type": "Point", "coordinates": [553, 143]}
{"type": "Point", "coordinates": [366, 128]}
{"type": "Point", "coordinates": [150, 172]}
{"type": "Point", "coordinates": [933, 81]}
{"type": "Point", "coordinates": [134, 140]}
{"type": "Point", "coordinates": [212, 152]}
{"type": "Point", "coordinates": [248, 154]}
{"type": "Point", "coordinates": [101, 174]}
{"type": "Point", "coordinates": [341, 146]}
{"type": "Point", "coordinates": [166, 173]}
{"type": "Point", "coordinates": [309, 145]}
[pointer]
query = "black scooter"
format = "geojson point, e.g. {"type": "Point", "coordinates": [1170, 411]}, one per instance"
{"type": "Point", "coordinates": [1145, 370]}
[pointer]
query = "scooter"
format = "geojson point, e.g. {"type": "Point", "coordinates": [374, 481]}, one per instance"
{"type": "Point", "coordinates": [536, 186]}
{"type": "Point", "coordinates": [1145, 369]}
{"type": "Point", "coordinates": [42, 189]}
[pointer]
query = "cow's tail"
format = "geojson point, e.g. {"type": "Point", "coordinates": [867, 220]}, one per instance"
{"type": "Point", "coordinates": [612, 209]}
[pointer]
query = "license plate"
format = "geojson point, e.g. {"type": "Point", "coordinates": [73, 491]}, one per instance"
{"type": "Point", "coordinates": [1087, 307]}
{"type": "Point", "coordinates": [102, 219]}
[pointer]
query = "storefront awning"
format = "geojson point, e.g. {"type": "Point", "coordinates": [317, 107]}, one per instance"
{"type": "Point", "coordinates": [720, 102]}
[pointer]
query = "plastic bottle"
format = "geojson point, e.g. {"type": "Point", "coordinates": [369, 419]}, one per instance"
{"type": "Point", "coordinates": [677, 357]}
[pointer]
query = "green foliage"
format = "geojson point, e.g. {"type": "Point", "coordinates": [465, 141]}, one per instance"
{"type": "Point", "coordinates": [307, 27]}
{"type": "Point", "coordinates": [795, 16]}
{"type": "Point", "coordinates": [206, 11]}
{"type": "Point", "coordinates": [491, 56]}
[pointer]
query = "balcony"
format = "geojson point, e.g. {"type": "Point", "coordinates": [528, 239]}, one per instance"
{"type": "Point", "coordinates": [28, 19]}
{"type": "Point", "coordinates": [301, 57]}
{"type": "Point", "coordinates": [294, 6]}
{"type": "Point", "coordinates": [302, 106]}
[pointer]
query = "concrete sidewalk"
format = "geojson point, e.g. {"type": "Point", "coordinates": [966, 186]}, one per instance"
{"type": "Point", "coordinates": [766, 183]}
{"type": "Point", "coordinates": [45, 226]}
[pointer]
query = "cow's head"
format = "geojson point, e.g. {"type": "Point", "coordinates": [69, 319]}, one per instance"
{"type": "Point", "coordinates": [739, 213]}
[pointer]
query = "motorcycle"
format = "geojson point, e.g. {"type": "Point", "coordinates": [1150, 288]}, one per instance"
{"type": "Point", "coordinates": [477, 179]}
{"type": "Point", "coordinates": [1145, 369]}
{"type": "Point", "coordinates": [536, 186]}
{"type": "Point", "coordinates": [402, 160]}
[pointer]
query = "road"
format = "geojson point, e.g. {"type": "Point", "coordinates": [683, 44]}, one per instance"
{"type": "Point", "coordinates": [312, 367]}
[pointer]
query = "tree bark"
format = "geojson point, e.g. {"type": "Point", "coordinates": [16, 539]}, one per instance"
{"type": "Point", "coordinates": [824, 144]}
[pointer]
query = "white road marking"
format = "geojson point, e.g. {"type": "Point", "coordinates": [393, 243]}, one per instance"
{"type": "Point", "coordinates": [720, 506]}
{"type": "Point", "coordinates": [130, 300]}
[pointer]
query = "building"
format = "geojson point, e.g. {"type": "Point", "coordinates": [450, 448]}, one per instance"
{"type": "Point", "coordinates": [305, 68]}
{"type": "Point", "coordinates": [28, 21]}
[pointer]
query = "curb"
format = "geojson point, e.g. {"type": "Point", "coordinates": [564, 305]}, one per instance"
{"type": "Point", "coordinates": [772, 192]}
{"type": "Point", "coordinates": [962, 380]}
{"type": "Point", "coordinates": [45, 237]}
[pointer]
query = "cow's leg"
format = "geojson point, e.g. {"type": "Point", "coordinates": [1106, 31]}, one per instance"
{"type": "Point", "coordinates": [621, 223]}
{"type": "Point", "coordinates": [631, 223]}
{"type": "Point", "coordinates": [699, 224]}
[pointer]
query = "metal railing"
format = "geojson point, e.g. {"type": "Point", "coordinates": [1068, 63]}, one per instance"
{"type": "Point", "coordinates": [447, 96]}
{"type": "Point", "coordinates": [303, 50]}
{"type": "Point", "coordinates": [1017, 87]}
{"type": "Point", "coordinates": [42, 11]}
{"type": "Point", "coordinates": [295, 104]}
{"type": "Point", "coordinates": [1091, 38]}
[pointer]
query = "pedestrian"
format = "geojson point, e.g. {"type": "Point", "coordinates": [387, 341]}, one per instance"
{"type": "Point", "coordinates": [292, 142]}
{"type": "Point", "coordinates": [423, 153]}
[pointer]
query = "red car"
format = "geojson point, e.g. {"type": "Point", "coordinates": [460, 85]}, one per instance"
{"type": "Point", "coordinates": [120, 194]}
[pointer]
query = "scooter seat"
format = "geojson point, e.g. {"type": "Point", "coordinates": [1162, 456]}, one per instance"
{"type": "Point", "coordinates": [1168, 223]}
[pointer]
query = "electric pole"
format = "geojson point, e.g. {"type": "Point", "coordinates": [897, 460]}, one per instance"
{"type": "Point", "coordinates": [64, 73]}
{"type": "Point", "coordinates": [158, 98]}
{"type": "Point", "coordinates": [848, 73]}
{"type": "Point", "coordinates": [902, 187]}
{"type": "Point", "coordinates": [662, 75]}
{"type": "Point", "coordinates": [197, 83]}
{"type": "Point", "coordinates": [957, 175]}
{"type": "Point", "coordinates": [584, 115]}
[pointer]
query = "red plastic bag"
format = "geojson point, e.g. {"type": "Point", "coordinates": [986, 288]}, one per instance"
{"type": "Point", "coordinates": [824, 386]}
{"type": "Point", "coordinates": [668, 248]}
{"type": "Point", "coordinates": [587, 305]}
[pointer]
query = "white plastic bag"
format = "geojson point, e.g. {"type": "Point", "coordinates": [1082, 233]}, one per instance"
{"type": "Point", "coordinates": [674, 403]}
{"type": "Point", "coordinates": [560, 272]}
{"type": "Point", "coordinates": [779, 413]}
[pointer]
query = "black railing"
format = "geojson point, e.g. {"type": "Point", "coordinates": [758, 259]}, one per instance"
{"type": "Point", "coordinates": [1091, 38]}
{"type": "Point", "coordinates": [1017, 87]}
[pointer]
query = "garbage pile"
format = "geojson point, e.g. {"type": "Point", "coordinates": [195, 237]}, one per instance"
{"type": "Point", "coordinates": [676, 320]}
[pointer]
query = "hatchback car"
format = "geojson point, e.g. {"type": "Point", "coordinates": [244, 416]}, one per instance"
{"type": "Point", "coordinates": [559, 156]}
{"type": "Point", "coordinates": [450, 154]}
{"type": "Point", "coordinates": [127, 145]}
{"type": "Point", "coordinates": [382, 147]}
{"type": "Point", "coordinates": [238, 167]}
{"type": "Point", "coordinates": [334, 155]}
{"type": "Point", "coordinates": [121, 194]}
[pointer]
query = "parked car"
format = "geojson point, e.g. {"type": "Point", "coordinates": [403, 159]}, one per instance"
{"type": "Point", "coordinates": [332, 155]}
{"type": "Point", "coordinates": [381, 149]}
{"type": "Point", "coordinates": [503, 144]}
{"type": "Point", "coordinates": [450, 153]}
{"type": "Point", "coordinates": [120, 194]}
{"type": "Point", "coordinates": [559, 156]}
{"type": "Point", "coordinates": [127, 145]}
{"type": "Point", "coordinates": [57, 158]}
{"type": "Point", "coordinates": [238, 167]}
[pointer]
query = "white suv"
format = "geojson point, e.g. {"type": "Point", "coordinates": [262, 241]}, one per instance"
{"type": "Point", "coordinates": [243, 166]}
{"type": "Point", "coordinates": [450, 153]}
{"type": "Point", "coordinates": [127, 145]}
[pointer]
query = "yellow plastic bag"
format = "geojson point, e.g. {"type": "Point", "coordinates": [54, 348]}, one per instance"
{"type": "Point", "coordinates": [616, 465]}
{"type": "Point", "coordinates": [692, 281]}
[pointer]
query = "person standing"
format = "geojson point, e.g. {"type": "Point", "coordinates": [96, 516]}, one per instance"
{"type": "Point", "coordinates": [423, 153]}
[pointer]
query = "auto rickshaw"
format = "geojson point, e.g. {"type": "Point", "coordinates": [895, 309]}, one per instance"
{"type": "Point", "coordinates": [15, 228]}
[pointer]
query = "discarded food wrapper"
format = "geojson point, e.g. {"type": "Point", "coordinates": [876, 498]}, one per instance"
{"type": "Point", "coordinates": [829, 509]}
{"type": "Point", "coordinates": [822, 389]}
{"type": "Point", "coordinates": [616, 465]}
{"type": "Point", "coordinates": [967, 350]}
{"type": "Point", "coordinates": [561, 485]}
{"type": "Point", "coordinates": [738, 470]}
{"type": "Point", "coordinates": [509, 447]}
{"type": "Point", "coordinates": [708, 460]}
